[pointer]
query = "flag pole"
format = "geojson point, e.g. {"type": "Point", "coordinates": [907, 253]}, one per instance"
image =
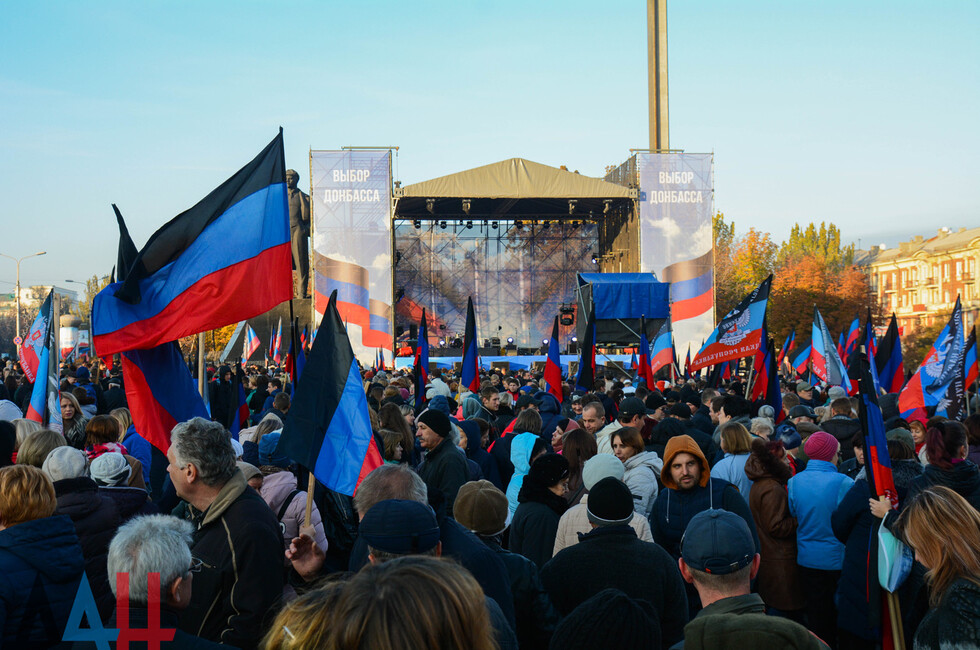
{"type": "Point", "coordinates": [894, 608]}
{"type": "Point", "coordinates": [748, 382]}
{"type": "Point", "coordinates": [309, 501]}
{"type": "Point", "coordinates": [200, 363]}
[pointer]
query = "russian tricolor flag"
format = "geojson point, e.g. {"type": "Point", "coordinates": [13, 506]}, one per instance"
{"type": "Point", "coordinates": [470, 372]}
{"type": "Point", "coordinates": [226, 259]}
{"type": "Point", "coordinates": [691, 287]}
{"type": "Point", "coordinates": [739, 334]}
{"type": "Point", "coordinates": [585, 379]}
{"type": "Point", "coordinates": [252, 343]}
{"type": "Point", "coordinates": [552, 365]}
{"type": "Point", "coordinates": [328, 429]}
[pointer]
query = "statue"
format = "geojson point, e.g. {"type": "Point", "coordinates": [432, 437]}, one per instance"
{"type": "Point", "coordinates": [299, 230]}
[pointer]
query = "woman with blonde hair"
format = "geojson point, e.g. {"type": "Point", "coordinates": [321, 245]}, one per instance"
{"type": "Point", "coordinates": [944, 531]}
{"type": "Point", "coordinates": [736, 442]}
{"type": "Point", "coordinates": [101, 435]}
{"type": "Point", "coordinates": [24, 427]}
{"type": "Point", "coordinates": [39, 554]}
{"type": "Point", "coordinates": [73, 420]}
{"type": "Point", "coordinates": [305, 621]}
{"type": "Point", "coordinates": [137, 446]}
{"type": "Point", "coordinates": [37, 446]}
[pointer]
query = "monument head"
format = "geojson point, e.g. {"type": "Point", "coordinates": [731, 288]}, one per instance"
{"type": "Point", "coordinates": [292, 179]}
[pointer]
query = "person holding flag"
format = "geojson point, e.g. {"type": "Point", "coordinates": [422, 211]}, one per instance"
{"type": "Point", "coordinates": [552, 366]}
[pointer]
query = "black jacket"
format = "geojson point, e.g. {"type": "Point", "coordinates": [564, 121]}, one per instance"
{"type": "Point", "coordinates": [701, 420]}
{"type": "Point", "coordinates": [138, 619]}
{"type": "Point", "coordinates": [613, 557]}
{"type": "Point", "coordinates": [444, 469]}
{"type": "Point", "coordinates": [96, 518]}
{"type": "Point", "coordinates": [240, 545]}
{"type": "Point", "coordinates": [536, 615]}
{"type": "Point", "coordinates": [842, 428]}
{"type": "Point", "coordinates": [964, 479]}
{"type": "Point", "coordinates": [535, 523]}
{"type": "Point", "coordinates": [115, 398]}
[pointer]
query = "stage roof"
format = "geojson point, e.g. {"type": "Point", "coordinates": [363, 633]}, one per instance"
{"type": "Point", "coordinates": [516, 179]}
{"type": "Point", "coordinates": [511, 189]}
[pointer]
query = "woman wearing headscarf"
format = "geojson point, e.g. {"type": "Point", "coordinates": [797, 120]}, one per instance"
{"type": "Point", "coordinates": [542, 503]}
{"type": "Point", "coordinates": [470, 431]}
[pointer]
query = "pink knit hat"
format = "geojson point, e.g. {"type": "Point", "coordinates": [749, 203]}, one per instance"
{"type": "Point", "coordinates": [821, 446]}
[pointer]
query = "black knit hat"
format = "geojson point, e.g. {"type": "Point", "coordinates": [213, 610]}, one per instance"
{"type": "Point", "coordinates": [548, 470]}
{"type": "Point", "coordinates": [610, 503]}
{"type": "Point", "coordinates": [610, 619]}
{"type": "Point", "coordinates": [437, 421]}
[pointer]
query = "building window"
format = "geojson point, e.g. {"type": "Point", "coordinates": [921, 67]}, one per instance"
{"type": "Point", "coordinates": [959, 270]}
{"type": "Point", "coordinates": [947, 297]}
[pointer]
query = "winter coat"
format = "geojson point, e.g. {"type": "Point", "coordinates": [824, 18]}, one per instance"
{"type": "Point", "coordinates": [603, 436]}
{"type": "Point", "coordinates": [75, 432]}
{"type": "Point", "coordinates": [139, 448]}
{"type": "Point", "coordinates": [536, 615]}
{"type": "Point", "coordinates": [674, 508]}
{"type": "Point", "coordinates": [853, 524]}
{"type": "Point", "coordinates": [476, 453]}
{"type": "Point", "coordinates": [843, 428]}
{"type": "Point", "coordinates": [814, 494]}
{"type": "Point", "coordinates": [239, 543]}
{"type": "Point", "coordinates": [96, 518]}
{"type": "Point", "coordinates": [115, 398]}
{"type": "Point", "coordinates": [850, 468]}
{"type": "Point", "coordinates": [575, 523]}
{"type": "Point", "coordinates": [732, 469]}
{"type": "Point", "coordinates": [550, 411]}
{"type": "Point", "coordinates": [640, 477]}
{"type": "Point", "coordinates": [701, 420]}
{"type": "Point", "coordinates": [444, 469]}
{"type": "Point", "coordinates": [130, 501]}
{"type": "Point", "coordinates": [663, 431]}
{"type": "Point", "coordinates": [955, 623]}
{"type": "Point", "coordinates": [778, 581]}
{"type": "Point", "coordinates": [520, 457]}
{"type": "Point", "coordinates": [43, 553]}
{"type": "Point", "coordinates": [744, 420]}
{"type": "Point", "coordinates": [741, 622]}
{"type": "Point", "coordinates": [276, 488]}
{"type": "Point", "coordinates": [964, 479]}
{"type": "Point", "coordinates": [139, 619]}
{"type": "Point", "coordinates": [612, 557]}
{"type": "Point", "coordinates": [535, 524]}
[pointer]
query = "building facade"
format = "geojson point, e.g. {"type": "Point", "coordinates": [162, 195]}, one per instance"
{"type": "Point", "coordinates": [921, 278]}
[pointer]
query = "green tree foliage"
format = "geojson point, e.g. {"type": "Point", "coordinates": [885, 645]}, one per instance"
{"type": "Point", "coordinates": [741, 263]}
{"type": "Point", "coordinates": [822, 243]}
{"type": "Point", "coordinates": [93, 285]}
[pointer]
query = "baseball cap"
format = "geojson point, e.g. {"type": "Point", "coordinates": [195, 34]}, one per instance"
{"type": "Point", "coordinates": [802, 411]}
{"type": "Point", "coordinates": [526, 400]}
{"type": "Point", "coordinates": [717, 542]}
{"type": "Point", "coordinates": [630, 407]}
{"type": "Point", "coordinates": [802, 386]}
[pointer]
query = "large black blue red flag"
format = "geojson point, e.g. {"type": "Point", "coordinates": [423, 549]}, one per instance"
{"type": "Point", "coordinates": [824, 360]}
{"type": "Point", "coordinates": [328, 428]}
{"type": "Point", "coordinates": [663, 351]}
{"type": "Point", "coordinates": [888, 359]}
{"type": "Point", "coordinates": [971, 369]}
{"type": "Point", "coordinates": [224, 260]}
{"type": "Point", "coordinates": [739, 334]}
{"type": "Point", "coordinates": [421, 364]}
{"type": "Point", "coordinates": [470, 372]}
{"type": "Point", "coordinates": [643, 369]}
{"type": "Point", "coordinates": [787, 347]}
{"type": "Point", "coordinates": [585, 379]}
{"type": "Point", "coordinates": [552, 366]}
{"type": "Point", "coordinates": [939, 380]}
{"type": "Point", "coordinates": [240, 420]}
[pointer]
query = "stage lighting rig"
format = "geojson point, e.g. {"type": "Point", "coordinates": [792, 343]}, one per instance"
{"type": "Point", "coordinates": [442, 224]}
{"type": "Point", "coordinates": [418, 224]}
{"type": "Point", "coordinates": [494, 224]}
{"type": "Point", "coordinates": [469, 224]}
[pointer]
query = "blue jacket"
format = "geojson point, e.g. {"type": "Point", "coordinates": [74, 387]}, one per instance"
{"type": "Point", "coordinates": [732, 469]}
{"type": "Point", "coordinates": [520, 455]}
{"type": "Point", "coordinates": [44, 553]}
{"type": "Point", "coordinates": [814, 495]}
{"type": "Point", "coordinates": [139, 448]}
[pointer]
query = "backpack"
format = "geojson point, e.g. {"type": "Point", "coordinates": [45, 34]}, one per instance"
{"type": "Point", "coordinates": [283, 508]}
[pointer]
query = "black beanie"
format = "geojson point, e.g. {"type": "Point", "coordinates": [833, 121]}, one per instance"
{"type": "Point", "coordinates": [548, 470]}
{"type": "Point", "coordinates": [610, 503]}
{"type": "Point", "coordinates": [610, 619]}
{"type": "Point", "coordinates": [437, 421]}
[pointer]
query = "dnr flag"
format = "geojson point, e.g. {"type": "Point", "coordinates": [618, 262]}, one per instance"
{"type": "Point", "coordinates": [935, 382]}
{"type": "Point", "coordinates": [643, 370]}
{"type": "Point", "coordinates": [552, 365]}
{"type": "Point", "coordinates": [328, 429]}
{"type": "Point", "coordinates": [663, 351]}
{"type": "Point", "coordinates": [888, 359]}
{"type": "Point", "coordinates": [586, 366]}
{"type": "Point", "coordinates": [739, 334]}
{"type": "Point", "coordinates": [226, 259]}
{"type": "Point", "coordinates": [971, 370]}
{"type": "Point", "coordinates": [470, 373]}
{"type": "Point", "coordinates": [421, 364]}
{"type": "Point", "coordinates": [826, 363]}
{"type": "Point", "coordinates": [787, 347]}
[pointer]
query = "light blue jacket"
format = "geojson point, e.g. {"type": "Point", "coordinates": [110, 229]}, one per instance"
{"type": "Point", "coordinates": [732, 469]}
{"type": "Point", "coordinates": [814, 495]}
{"type": "Point", "coordinates": [520, 456]}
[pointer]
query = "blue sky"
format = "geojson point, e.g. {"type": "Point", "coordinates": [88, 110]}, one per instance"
{"type": "Point", "coordinates": [863, 114]}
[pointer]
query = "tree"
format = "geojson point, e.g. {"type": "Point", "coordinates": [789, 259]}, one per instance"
{"type": "Point", "coordinates": [93, 286]}
{"type": "Point", "coordinates": [823, 243]}
{"type": "Point", "coordinates": [740, 263]}
{"type": "Point", "coordinates": [725, 293]}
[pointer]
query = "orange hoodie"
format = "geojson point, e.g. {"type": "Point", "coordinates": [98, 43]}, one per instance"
{"type": "Point", "coordinates": [682, 445]}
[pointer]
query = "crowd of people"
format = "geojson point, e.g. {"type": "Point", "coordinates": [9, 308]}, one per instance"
{"type": "Point", "coordinates": [671, 516]}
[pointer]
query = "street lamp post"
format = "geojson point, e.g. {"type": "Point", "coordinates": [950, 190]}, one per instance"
{"type": "Point", "coordinates": [18, 261]}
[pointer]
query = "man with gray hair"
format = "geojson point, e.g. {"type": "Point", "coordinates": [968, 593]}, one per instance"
{"type": "Point", "coordinates": [236, 537]}
{"type": "Point", "coordinates": [156, 544]}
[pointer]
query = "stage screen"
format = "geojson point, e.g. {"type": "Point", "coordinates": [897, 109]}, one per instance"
{"type": "Point", "coordinates": [351, 201]}
{"type": "Point", "coordinates": [518, 277]}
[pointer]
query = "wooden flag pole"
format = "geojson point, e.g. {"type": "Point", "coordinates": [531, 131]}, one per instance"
{"type": "Point", "coordinates": [894, 608]}
{"type": "Point", "coordinates": [309, 501]}
{"type": "Point", "coordinates": [200, 364]}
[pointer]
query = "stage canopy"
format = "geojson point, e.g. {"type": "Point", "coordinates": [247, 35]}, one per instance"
{"type": "Point", "coordinates": [620, 299]}
{"type": "Point", "coordinates": [514, 187]}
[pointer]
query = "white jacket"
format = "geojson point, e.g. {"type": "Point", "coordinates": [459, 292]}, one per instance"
{"type": "Point", "coordinates": [576, 520]}
{"type": "Point", "coordinates": [603, 437]}
{"type": "Point", "coordinates": [641, 475]}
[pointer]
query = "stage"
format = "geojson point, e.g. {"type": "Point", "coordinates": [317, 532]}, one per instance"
{"type": "Point", "coordinates": [519, 362]}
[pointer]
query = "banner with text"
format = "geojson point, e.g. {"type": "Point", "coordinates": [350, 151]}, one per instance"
{"type": "Point", "coordinates": [351, 200]}
{"type": "Point", "coordinates": [676, 206]}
